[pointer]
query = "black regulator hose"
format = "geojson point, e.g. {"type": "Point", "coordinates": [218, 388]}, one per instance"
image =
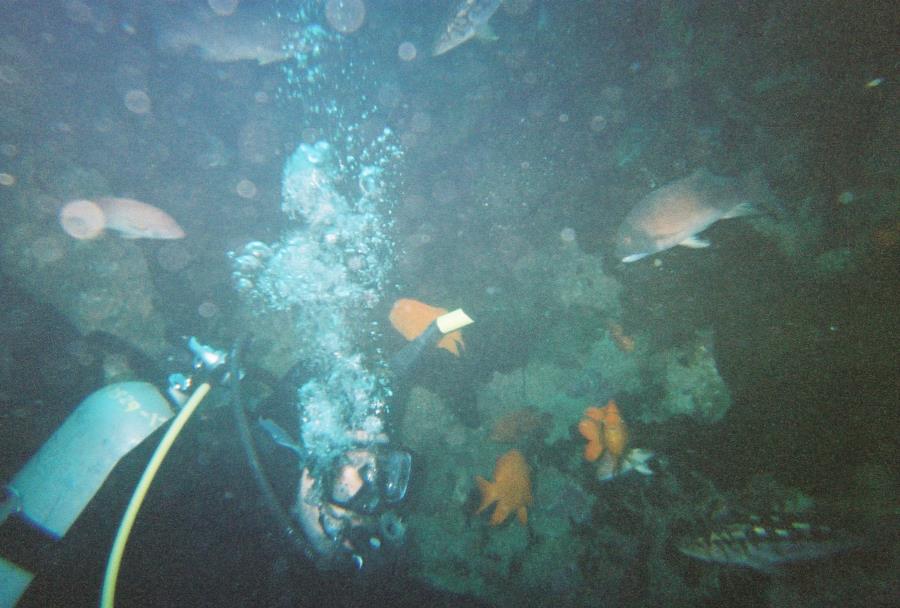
{"type": "Point", "coordinates": [282, 519]}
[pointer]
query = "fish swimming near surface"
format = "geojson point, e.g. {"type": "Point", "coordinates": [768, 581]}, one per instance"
{"type": "Point", "coordinates": [469, 20]}
{"type": "Point", "coordinates": [245, 35]}
{"type": "Point", "coordinates": [765, 546]}
{"type": "Point", "coordinates": [136, 220]}
{"type": "Point", "coordinates": [676, 213]}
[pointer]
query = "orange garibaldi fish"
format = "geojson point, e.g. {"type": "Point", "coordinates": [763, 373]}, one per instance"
{"type": "Point", "coordinates": [604, 429]}
{"type": "Point", "coordinates": [511, 489]}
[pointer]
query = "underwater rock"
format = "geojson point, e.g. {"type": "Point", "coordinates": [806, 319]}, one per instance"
{"type": "Point", "coordinates": [560, 501]}
{"type": "Point", "coordinates": [691, 383]}
{"type": "Point", "coordinates": [428, 425]}
{"type": "Point", "coordinates": [795, 232]}
{"type": "Point", "coordinates": [834, 262]}
{"type": "Point", "coordinates": [570, 277]}
{"type": "Point", "coordinates": [619, 372]}
{"type": "Point", "coordinates": [276, 340]}
{"type": "Point", "coordinates": [520, 425]}
{"type": "Point", "coordinates": [538, 385]}
{"type": "Point", "coordinates": [100, 285]}
{"type": "Point", "coordinates": [443, 551]}
{"type": "Point", "coordinates": [765, 494]}
{"type": "Point", "coordinates": [552, 576]}
{"type": "Point", "coordinates": [24, 89]}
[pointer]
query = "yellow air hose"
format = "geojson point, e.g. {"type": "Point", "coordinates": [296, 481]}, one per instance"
{"type": "Point", "coordinates": [107, 596]}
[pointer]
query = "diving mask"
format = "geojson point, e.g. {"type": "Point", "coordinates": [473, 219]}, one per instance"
{"type": "Point", "coordinates": [368, 479]}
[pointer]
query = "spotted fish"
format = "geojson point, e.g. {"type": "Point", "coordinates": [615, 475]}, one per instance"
{"type": "Point", "coordinates": [766, 546]}
{"type": "Point", "coordinates": [469, 20]}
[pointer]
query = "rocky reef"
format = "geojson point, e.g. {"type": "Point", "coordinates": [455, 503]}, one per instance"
{"type": "Point", "coordinates": [582, 536]}
{"type": "Point", "coordinates": [98, 285]}
{"type": "Point", "coordinates": [690, 383]}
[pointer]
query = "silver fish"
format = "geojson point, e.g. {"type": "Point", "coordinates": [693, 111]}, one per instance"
{"type": "Point", "coordinates": [470, 19]}
{"type": "Point", "coordinates": [247, 34]}
{"type": "Point", "coordinates": [279, 435]}
{"type": "Point", "coordinates": [675, 213]}
{"type": "Point", "coordinates": [636, 460]}
{"type": "Point", "coordinates": [766, 546]}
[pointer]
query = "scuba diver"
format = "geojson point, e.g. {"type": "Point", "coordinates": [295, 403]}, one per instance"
{"type": "Point", "coordinates": [346, 504]}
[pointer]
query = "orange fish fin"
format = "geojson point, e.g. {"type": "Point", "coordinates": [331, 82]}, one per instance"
{"type": "Point", "coordinates": [594, 413]}
{"type": "Point", "coordinates": [522, 514]}
{"type": "Point", "coordinates": [501, 512]}
{"type": "Point", "coordinates": [589, 429]}
{"type": "Point", "coordinates": [487, 493]}
{"type": "Point", "coordinates": [611, 415]}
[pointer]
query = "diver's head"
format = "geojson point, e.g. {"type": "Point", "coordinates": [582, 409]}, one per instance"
{"type": "Point", "coordinates": [346, 511]}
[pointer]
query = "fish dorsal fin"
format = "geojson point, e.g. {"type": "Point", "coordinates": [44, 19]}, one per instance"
{"type": "Point", "coordinates": [694, 242]}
